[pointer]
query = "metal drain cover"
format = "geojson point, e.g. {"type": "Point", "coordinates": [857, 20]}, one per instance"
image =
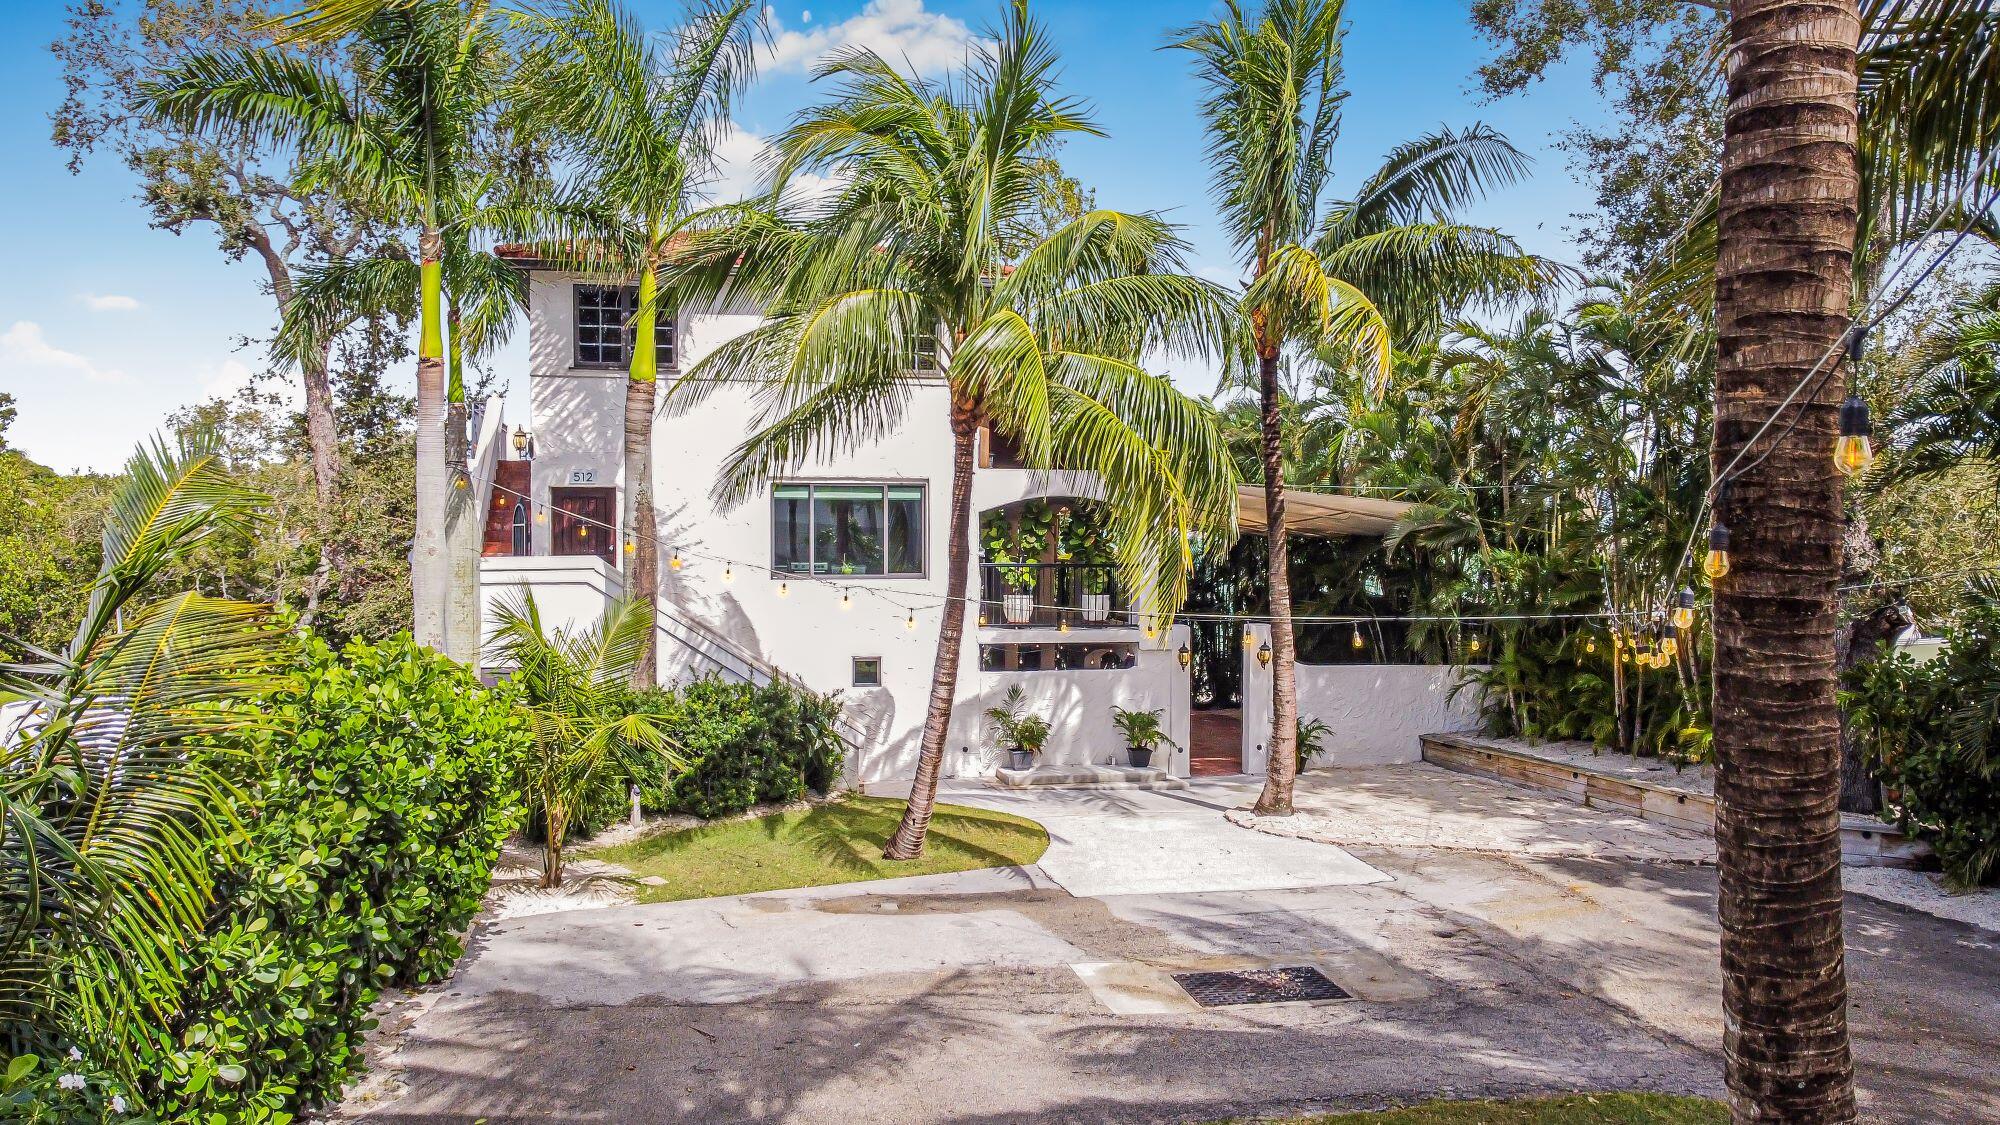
{"type": "Point", "coordinates": [1288, 985]}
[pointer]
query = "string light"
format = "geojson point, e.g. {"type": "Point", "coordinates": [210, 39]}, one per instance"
{"type": "Point", "coordinates": [583, 531]}
{"type": "Point", "coordinates": [1590, 643]}
{"type": "Point", "coordinates": [1474, 646]}
{"type": "Point", "coordinates": [729, 573]}
{"type": "Point", "coordinates": [910, 622]}
{"type": "Point", "coordinates": [846, 601]}
{"type": "Point", "coordinates": [675, 562]}
{"type": "Point", "coordinates": [1062, 623]}
{"type": "Point", "coordinates": [1357, 643]}
{"type": "Point", "coordinates": [1716, 563]}
{"type": "Point", "coordinates": [541, 514]}
{"type": "Point", "coordinates": [630, 546]}
{"type": "Point", "coordinates": [784, 589]}
{"type": "Point", "coordinates": [1249, 638]}
{"type": "Point", "coordinates": [1852, 453]}
{"type": "Point", "coordinates": [1684, 612]}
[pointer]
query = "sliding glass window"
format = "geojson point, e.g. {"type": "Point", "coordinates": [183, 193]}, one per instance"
{"type": "Point", "coordinates": [847, 529]}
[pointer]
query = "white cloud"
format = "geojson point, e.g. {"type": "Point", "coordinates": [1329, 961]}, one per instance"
{"type": "Point", "coordinates": [223, 380]}
{"type": "Point", "coordinates": [741, 160]}
{"type": "Point", "coordinates": [24, 347]}
{"type": "Point", "coordinates": [805, 15]}
{"type": "Point", "coordinates": [108, 302]}
{"type": "Point", "coordinates": [898, 30]}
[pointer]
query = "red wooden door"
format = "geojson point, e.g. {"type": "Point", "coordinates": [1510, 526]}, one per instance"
{"type": "Point", "coordinates": [583, 522]}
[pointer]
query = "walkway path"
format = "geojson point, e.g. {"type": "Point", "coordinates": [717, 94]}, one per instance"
{"type": "Point", "coordinates": [1003, 996]}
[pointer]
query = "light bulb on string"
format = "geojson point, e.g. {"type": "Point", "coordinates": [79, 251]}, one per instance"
{"type": "Point", "coordinates": [1852, 452]}
{"type": "Point", "coordinates": [910, 622]}
{"type": "Point", "coordinates": [1590, 644]}
{"type": "Point", "coordinates": [729, 573]}
{"type": "Point", "coordinates": [1062, 624]}
{"type": "Point", "coordinates": [630, 546]}
{"type": "Point", "coordinates": [846, 601]}
{"type": "Point", "coordinates": [784, 589]}
{"type": "Point", "coordinates": [1249, 639]}
{"type": "Point", "coordinates": [1683, 616]}
{"type": "Point", "coordinates": [583, 531]}
{"type": "Point", "coordinates": [1716, 563]}
{"type": "Point", "coordinates": [1356, 642]}
{"type": "Point", "coordinates": [541, 514]}
{"type": "Point", "coordinates": [675, 562]}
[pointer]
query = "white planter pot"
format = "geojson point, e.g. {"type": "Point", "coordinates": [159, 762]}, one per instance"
{"type": "Point", "coordinates": [1019, 608]}
{"type": "Point", "coordinates": [1096, 607]}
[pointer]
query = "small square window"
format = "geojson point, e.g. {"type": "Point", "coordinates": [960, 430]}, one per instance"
{"type": "Point", "coordinates": [867, 671]}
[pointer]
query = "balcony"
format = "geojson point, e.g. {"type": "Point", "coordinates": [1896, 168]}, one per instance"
{"type": "Point", "coordinates": [1050, 595]}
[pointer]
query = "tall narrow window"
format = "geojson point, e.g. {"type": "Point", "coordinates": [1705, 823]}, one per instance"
{"type": "Point", "coordinates": [604, 327]}
{"type": "Point", "coordinates": [522, 544]}
{"type": "Point", "coordinates": [860, 530]}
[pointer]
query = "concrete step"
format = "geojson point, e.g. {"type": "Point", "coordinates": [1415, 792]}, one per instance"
{"type": "Point", "coordinates": [1087, 777]}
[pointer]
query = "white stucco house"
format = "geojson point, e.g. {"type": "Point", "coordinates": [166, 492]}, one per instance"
{"type": "Point", "coordinates": [834, 576]}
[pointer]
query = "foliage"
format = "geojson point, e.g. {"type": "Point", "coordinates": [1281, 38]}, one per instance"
{"type": "Point", "coordinates": [32, 1092]}
{"type": "Point", "coordinates": [1014, 540]}
{"type": "Point", "coordinates": [48, 549]}
{"type": "Point", "coordinates": [573, 691]}
{"type": "Point", "coordinates": [837, 842]}
{"type": "Point", "coordinates": [1932, 732]}
{"type": "Point", "coordinates": [745, 744]}
{"type": "Point", "coordinates": [1143, 730]}
{"type": "Point", "coordinates": [381, 801]}
{"type": "Point", "coordinates": [106, 819]}
{"type": "Point", "coordinates": [1013, 727]}
{"type": "Point", "coordinates": [1311, 734]}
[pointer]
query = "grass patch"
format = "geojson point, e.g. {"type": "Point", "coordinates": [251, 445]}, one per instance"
{"type": "Point", "coordinates": [1570, 1109]}
{"type": "Point", "coordinates": [840, 842]}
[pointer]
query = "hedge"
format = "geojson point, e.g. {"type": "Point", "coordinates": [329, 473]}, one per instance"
{"type": "Point", "coordinates": [383, 798]}
{"type": "Point", "coordinates": [744, 745]}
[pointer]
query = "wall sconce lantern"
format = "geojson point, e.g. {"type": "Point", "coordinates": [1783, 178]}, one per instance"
{"type": "Point", "coordinates": [1187, 658]}
{"type": "Point", "coordinates": [1264, 655]}
{"type": "Point", "coordinates": [520, 442]}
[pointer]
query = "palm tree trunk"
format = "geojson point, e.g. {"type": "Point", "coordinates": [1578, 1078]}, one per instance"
{"type": "Point", "coordinates": [642, 580]}
{"type": "Point", "coordinates": [556, 824]}
{"type": "Point", "coordinates": [1281, 763]}
{"type": "Point", "coordinates": [429, 560]}
{"type": "Point", "coordinates": [1783, 283]}
{"type": "Point", "coordinates": [323, 448]}
{"type": "Point", "coordinates": [908, 842]}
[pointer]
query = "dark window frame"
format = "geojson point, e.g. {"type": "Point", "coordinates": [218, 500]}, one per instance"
{"type": "Point", "coordinates": [875, 678]}
{"type": "Point", "coordinates": [780, 572]}
{"type": "Point", "coordinates": [666, 344]}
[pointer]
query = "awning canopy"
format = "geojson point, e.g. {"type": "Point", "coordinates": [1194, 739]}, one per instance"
{"type": "Point", "coordinates": [1325, 514]}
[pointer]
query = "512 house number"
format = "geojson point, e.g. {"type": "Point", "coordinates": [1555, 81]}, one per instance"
{"type": "Point", "coordinates": [583, 476]}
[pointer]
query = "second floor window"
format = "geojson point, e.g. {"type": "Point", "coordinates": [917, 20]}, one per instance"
{"type": "Point", "coordinates": [847, 529]}
{"type": "Point", "coordinates": [604, 327]}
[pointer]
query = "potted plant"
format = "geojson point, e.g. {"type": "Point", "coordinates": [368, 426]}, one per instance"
{"type": "Point", "coordinates": [1021, 734]}
{"type": "Point", "coordinates": [1083, 544]}
{"type": "Point", "coordinates": [1143, 730]}
{"type": "Point", "coordinates": [1013, 544]}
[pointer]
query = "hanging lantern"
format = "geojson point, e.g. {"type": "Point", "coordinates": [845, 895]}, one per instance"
{"type": "Point", "coordinates": [1716, 564]}
{"type": "Point", "coordinates": [1186, 657]}
{"type": "Point", "coordinates": [1264, 655]}
{"type": "Point", "coordinates": [1683, 616]}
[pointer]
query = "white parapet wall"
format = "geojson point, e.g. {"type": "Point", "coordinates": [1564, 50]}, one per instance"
{"type": "Point", "coordinates": [1078, 705]}
{"type": "Point", "coordinates": [1376, 713]}
{"type": "Point", "coordinates": [571, 591]}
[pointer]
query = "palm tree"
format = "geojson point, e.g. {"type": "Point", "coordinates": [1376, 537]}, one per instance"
{"type": "Point", "coordinates": [573, 688]}
{"type": "Point", "coordinates": [639, 115]}
{"type": "Point", "coordinates": [107, 820]}
{"type": "Point", "coordinates": [1784, 275]}
{"type": "Point", "coordinates": [1042, 347]}
{"type": "Point", "coordinates": [425, 77]}
{"type": "Point", "coordinates": [1952, 415]}
{"type": "Point", "coordinates": [1337, 280]}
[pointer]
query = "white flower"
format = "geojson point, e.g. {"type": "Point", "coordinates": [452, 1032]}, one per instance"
{"type": "Point", "coordinates": [70, 1081]}
{"type": "Point", "coordinates": [118, 1103]}
{"type": "Point", "coordinates": [75, 1055]}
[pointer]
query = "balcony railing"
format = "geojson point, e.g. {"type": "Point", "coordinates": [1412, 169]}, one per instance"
{"type": "Point", "coordinates": [1049, 595]}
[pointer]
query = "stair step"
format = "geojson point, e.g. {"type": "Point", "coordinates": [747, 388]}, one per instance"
{"type": "Point", "coordinates": [1087, 777]}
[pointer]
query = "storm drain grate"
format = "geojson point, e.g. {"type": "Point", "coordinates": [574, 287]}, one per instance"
{"type": "Point", "coordinates": [1261, 986]}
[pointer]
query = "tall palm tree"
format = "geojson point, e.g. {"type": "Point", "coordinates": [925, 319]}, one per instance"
{"type": "Point", "coordinates": [1789, 204]}
{"type": "Point", "coordinates": [398, 126]}
{"type": "Point", "coordinates": [1335, 280]}
{"type": "Point", "coordinates": [1042, 346]}
{"type": "Point", "coordinates": [573, 688]}
{"type": "Point", "coordinates": [639, 117]}
{"type": "Point", "coordinates": [107, 820]}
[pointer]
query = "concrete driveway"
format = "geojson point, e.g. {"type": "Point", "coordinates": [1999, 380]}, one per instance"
{"type": "Point", "coordinates": [1011, 996]}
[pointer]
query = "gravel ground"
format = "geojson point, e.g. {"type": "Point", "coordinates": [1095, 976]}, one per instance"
{"type": "Point", "coordinates": [1925, 891]}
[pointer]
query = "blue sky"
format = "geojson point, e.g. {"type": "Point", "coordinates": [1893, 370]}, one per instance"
{"type": "Point", "coordinates": [107, 326]}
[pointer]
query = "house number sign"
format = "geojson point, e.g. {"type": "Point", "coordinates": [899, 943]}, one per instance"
{"type": "Point", "coordinates": [583, 476]}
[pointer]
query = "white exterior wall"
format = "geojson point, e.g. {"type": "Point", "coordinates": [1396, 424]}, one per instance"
{"type": "Point", "coordinates": [712, 625]}
{"type": "Point", "coordinates": [570, 591]}
{"type": "Point", "coordinates": [1376, 712]}
{"type": "Point", "coordinates": [1078, 706]}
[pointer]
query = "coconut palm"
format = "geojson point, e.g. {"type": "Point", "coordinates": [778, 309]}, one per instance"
{"type": "Point", "coordinates": [1952, 415]}
{"type": "Point", "coordinates": [107, 821]}
{"type": "Point", "coordinates": [573, 689]}
{"type": "Point", "coordinates": [1338, 280]}
{"type": "Point", "coordinates": [639, 117]}
{"type": "Point", "coordinates": [398, 126]}
{"type": "Point", "coordinates": [903, 268]}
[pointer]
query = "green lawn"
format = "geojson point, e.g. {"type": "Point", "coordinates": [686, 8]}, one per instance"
{"type": "Point", "coordinates": [834, 843]}
{"type": "Point", "coordinates": [1573, 1109]}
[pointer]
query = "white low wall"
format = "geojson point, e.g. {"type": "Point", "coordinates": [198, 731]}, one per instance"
{"type": "Point", "coordinates": [571, 591]}
{"type": "Point", "coordinates": [1078, 706]}
{"type": "Point", "coordinates": [1376, 712]}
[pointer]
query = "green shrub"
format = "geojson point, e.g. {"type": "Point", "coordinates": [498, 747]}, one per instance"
{"type": "Point", "coordinates": [378, 816]}
{"type": "Point", "coordinates": [33, 1092]}
{"type": "Point", "coordinates": [1932, 734]}
{"type": "Point", "coordinates": [744, 745]}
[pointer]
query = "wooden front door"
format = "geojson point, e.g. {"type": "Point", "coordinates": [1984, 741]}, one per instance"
{"type": "Point", "coordinates": [584, 521]}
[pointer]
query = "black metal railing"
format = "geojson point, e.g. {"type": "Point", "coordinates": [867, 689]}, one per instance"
{"type": "Point", "coordinates": [1048, 595]}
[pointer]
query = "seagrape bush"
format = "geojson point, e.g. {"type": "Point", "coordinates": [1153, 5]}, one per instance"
{"type": "Point", "coordinates": [743, 744]}
{"type": "Point", "coordinates": [381, 801]}
{"type": "Point", "coordinates": [1932, 734]}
